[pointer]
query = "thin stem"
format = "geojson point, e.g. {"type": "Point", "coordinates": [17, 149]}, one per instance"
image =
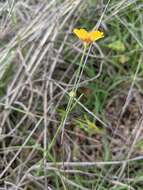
{"type": "Point", "coordinates": [82, 69]}
{"type": "Point", "coordinates": [79, 68]}
{"type": "Point", "coordinates": [70, 102]}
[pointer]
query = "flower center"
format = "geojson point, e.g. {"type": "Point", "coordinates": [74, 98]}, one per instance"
{"type": "Point", "coordinates": [87, 40]}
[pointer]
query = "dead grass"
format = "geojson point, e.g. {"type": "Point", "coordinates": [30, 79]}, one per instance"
{"type": "Point", "coordinates": [39, 56]}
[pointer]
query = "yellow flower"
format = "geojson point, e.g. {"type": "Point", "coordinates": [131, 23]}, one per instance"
{"type": "Point", "coordinates": [88, 37]}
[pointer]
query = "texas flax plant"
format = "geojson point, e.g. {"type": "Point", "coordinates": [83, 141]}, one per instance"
{"type": "Point", "coordinates": [87, 39]}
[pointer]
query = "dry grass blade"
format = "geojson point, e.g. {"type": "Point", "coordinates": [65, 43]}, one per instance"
{"type": "Point", "coordinates": [102, 143]}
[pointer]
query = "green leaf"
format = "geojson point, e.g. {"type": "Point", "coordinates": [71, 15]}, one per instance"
{"type": "Point", "coordinates": [6, 69]}
{"type": "Point", "coordinates": [5, 63]}
{"type": "Point", "coordinates": [123, 59]}
{"type": "Point", "coordinates": [88, 126]}
{"type": "Point", "coordinates": [140, 144]}
{"type": "Point", "coordinates": [117, 45]}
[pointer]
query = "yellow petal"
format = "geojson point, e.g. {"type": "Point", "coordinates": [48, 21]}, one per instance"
{"type": "Point", "coordinates": [81, 33]}
{"type": "Point", "coordinates": [95, 35]}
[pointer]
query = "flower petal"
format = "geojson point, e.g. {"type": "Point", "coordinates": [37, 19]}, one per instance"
{"type": "Point", "coordinates": [95, 35]}
{"type": "Point", "coordinates": [81, 33]}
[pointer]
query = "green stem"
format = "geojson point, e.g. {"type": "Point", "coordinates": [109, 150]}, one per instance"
{"type": "Point", "coordinates": [79, 69]}
{"type": "Point", "coordinates": [70, 102]}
